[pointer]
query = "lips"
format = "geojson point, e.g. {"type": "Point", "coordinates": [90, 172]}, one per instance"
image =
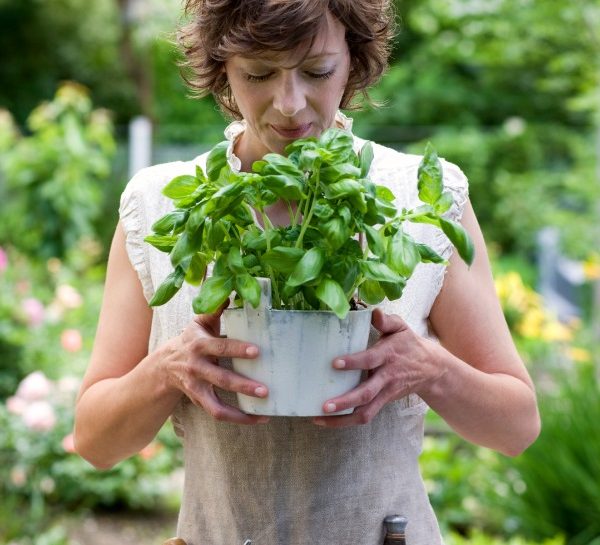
{"type": "Point", "coordinates": [293, 132]}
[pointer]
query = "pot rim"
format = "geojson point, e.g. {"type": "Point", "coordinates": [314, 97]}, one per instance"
{"type": "Point", "coordinates": [328, 312]}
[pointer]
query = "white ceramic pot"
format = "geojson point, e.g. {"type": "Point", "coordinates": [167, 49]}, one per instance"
{"type": "Point", "coordinates": [297, 348]}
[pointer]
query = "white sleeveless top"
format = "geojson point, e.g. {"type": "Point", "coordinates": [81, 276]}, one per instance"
{"type": "Point", "coordinates": [290, 482]}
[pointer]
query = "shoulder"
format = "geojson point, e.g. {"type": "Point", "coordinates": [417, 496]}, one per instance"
{"type": "Point", "coordinates": [150, 181]}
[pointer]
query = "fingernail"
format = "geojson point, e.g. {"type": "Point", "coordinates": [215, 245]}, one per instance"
{"type": "Point", "coordinates": [330, 407]}
{"type": "Point", "coordinates": [251, 351]}
{"type": "Point", "coordinates": [339, 364]}
{"type": "Point", "coordinates": [260, 391]}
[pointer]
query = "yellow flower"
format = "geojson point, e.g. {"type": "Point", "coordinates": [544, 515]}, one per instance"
{"type": "Point", "coordinates": [555, 331]}
{"type": "Point", "coordinates": [578, 354]}
{"type": "Point", "coordinates": [591, 270]}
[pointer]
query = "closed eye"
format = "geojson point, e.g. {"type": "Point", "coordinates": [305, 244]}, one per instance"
{"type": "Point", "coordinates": [314, 75]}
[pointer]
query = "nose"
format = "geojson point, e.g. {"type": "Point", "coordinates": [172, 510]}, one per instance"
{"type": "Point", "coordinates": [289, 95]}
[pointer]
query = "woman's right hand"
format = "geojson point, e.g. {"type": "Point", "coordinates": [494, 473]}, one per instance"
{"type": "Point", "coordinates": [190, 362]}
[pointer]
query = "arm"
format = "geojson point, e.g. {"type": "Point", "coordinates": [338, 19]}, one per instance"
{"type": "Point", "coordinates": [474, 378]}
{"type": "Point", "coordinates": [127, 394]}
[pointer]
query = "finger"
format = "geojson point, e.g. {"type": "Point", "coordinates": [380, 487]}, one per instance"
{"type": "Point", "coordinates": [211, 322]}
{"type": "Point", "coordinates": [222, 347]}
{"type": "Point", "coordinates": [363, 394]}
{"type": "Point", "coordinates": [229, 380]}
{"type": "Point", "coordinates": [368, 359]}
{"type": "Point", "coordinates": [361, 415]}
{"type": "Point", "coordinates": [210, 402]}
{"type": "Point", "coordinates": [387, 323]}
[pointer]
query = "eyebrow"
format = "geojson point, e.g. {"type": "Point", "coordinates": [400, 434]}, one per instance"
{"type": "Point", "coordinates": [259, 58]}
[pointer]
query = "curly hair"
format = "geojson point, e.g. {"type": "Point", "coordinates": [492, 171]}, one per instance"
{"type": "Point", "coordinates": [219, 29]}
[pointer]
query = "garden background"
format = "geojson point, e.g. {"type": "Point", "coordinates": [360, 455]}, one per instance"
{"type": "Point", "coordinates": [508, 89]}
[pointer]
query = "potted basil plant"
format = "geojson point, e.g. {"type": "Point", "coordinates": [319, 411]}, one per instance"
{"type": "Point", "coordinates": [302, 290]}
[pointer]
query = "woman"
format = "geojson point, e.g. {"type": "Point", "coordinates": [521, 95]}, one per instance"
{"type": "Point", "coordinates": [282, 69]}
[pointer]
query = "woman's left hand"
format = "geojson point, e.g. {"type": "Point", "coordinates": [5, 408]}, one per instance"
{"type": "Point", "coordinates": [398, 364]}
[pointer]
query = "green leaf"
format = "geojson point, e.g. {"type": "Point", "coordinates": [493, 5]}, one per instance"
{"type": "Point", "coordinates": [308, 268]}
{"type": "Point", "coordinates": [460, 239]}
{"type": "Point", "coordinates": [343, 188]}
{"type": "Point", "coordinates": [444, 203]}
{"type": "Point", "coordinates": [338, 142]}
{"type": "Point", "coordinates": [345, 271]}
{"type": "Point", "coordinates": [375, 240]}
{"type": "Point", "coordinates": [366, 158]}
{"type": "Point", "coordinates": [334, 173]}
{"type": "Point", "coordinates": [196, 270]}
{"type": "Point", "coordinates": [290, 189]}
{"type": "Point", "coordinates": [375, 270]}
{"type": "Point", "coordinates": [371, 292]}
{"type": "Point", "coordinates": [168, 288]}
{"type": "Point", "coordinates": [248, 288]}
{"type": "Point", "coordinates": [216, 160]}
{"type": "Point", "coordinates": [213, 293]}
{"type": "Point", "coordinates": [336, 232]}
{"type": "Point", "coordinates": [323, 210]}
{"type": "Point", "coordinates": [180, 187]}
{"type": "Point", "coordinates": [402, 254]}
{"type": "Point", "coordinates": [183, 249]}
{"type": "Point", "coordinates": [234, 261]}
{"type": "Point", "coordinates": [170, 222]}
{"type": "Point", "coordinates": [164, 243]}
{"type": "Point", "coordinates": [195, 220]}
{"type": "Point", "coordinates": [330, 292]}
{"type": "Point", "coordinates": [384, 193]}
{"type": "Point", "coordinates": [430, 182]}
{"type": "Point", "coordinates": [283, 259]}
{"type": "Point", "coordinates": [278, 164]}
{"type": "Point", "coordinates": [393, 290]}
{"type": "Point", "coordinates": [428, 255]}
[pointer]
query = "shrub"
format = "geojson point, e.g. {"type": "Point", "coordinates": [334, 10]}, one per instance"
{"type": "Point", "coordinates": [41, 475]}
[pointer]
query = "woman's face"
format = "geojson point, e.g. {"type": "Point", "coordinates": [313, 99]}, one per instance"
{"type": "Point", "coordinates": [282, 102]}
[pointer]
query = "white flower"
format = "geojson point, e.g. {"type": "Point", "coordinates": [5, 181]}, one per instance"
{"type": "Point", "coordinates": [39, 416]}
{"type": "Point", "coordinates": [34, 386]}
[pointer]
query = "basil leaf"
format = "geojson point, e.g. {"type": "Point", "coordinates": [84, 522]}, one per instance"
{"type": "Point", "coordinates": [375, 270]}
{"type": "Point", "coordinates": [213, 293]}
{"type": "Point", "coordinates": [366, 158]}
{"type": "Point", "coordinates": [428, 255]}
{"type": "Point", "coordinates": [283, 259]}
{"type": "Point", "coordinates": [216, 160]}
{"type": "Point", "coordinates": [375, 240]}
{"type": "Point", "coordinates": [170, 222]}
{"type": "Point", "coordinates": [180, 187]}
{"type": "Point", "coordinates": [234, 261]}
{"type": "Point", "coordinates": [444, 203]}
{"type": "Point", "coordinates": [334, 173]}
{"type": "Point", "coordinates": [164, 243]}
{"type": "Point", "coordinates": [335, 232]}
{"type": "Point", "coordinates": [308, 268]}
{"type": "Point", "coordinates": [371, 292]}
{"type": "Point", "coordinates": [196, 270]}
{"type": "Point", "coordinates": [248, 288]}
{"type": "Point", "coordinates": [460, 239]}
{"type": "Point", "coordinates": [393, 290]}
{"type": "Point", "coordinates": [343, 188]}
{"type": "Point", "coordinates": [430, 182]}
{"type": "Point", "coordinates": [330, 292]}
{"type": "Point", "coordinates": [168, 288]}
{"type": "Point", "coordinates": [402, 254]}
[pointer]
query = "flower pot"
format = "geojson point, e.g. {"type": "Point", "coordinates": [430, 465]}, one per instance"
{"type": "Point", "coordinates": [297, 348]}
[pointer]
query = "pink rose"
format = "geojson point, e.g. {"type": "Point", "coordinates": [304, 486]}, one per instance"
{"type": "Point", "coordinates": [16, 405]}
{"type": "Point", "coordinates": [39, 416]}
{"type": "Point", "coordinates": [3, 260]}
{"type": "Point", "coordinates": [34, 311]}
{"type": "Point", "coordinates": [34, 386]}
{"type": "Point", "coordinates": [71, 340]}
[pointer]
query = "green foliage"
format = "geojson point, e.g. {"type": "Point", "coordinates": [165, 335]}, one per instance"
{"type": "Point", "coordinates": [554, 486]}
{"type": "Point", "coordinates": [524, 177]}
{"type": "Point", "coordinates": [40, 475]}
{"type": "Point", "coordinates": [478, 538]}
{"type": "Point", "coordinates": [325, 180]}
{"type": "Point", "coordinates": [50, 181]}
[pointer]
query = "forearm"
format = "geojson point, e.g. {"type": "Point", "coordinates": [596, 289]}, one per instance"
{"type": "Point", "coordinates": [117, 417]}
{"type": "Point", "coordinates": [494, 410]}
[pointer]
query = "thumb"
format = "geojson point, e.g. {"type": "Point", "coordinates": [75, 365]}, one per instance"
{"type": "Point", "coordinates": [387, 323]}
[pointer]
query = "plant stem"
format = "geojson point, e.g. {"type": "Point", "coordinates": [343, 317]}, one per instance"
{"type": "Point", "coordinates": [307, 217]}
{"type": "Point", "coordinates": [268, 226]}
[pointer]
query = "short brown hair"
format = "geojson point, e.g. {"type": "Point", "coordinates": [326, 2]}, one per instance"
{"type": "Point", "coordinates": [219, 29]}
